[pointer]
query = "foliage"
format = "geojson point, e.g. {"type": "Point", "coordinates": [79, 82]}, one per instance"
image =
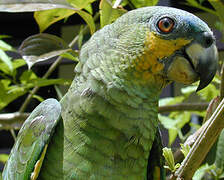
{"type": "Point", "coordinates": [46, 13]}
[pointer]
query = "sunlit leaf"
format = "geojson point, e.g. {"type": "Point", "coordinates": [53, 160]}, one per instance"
{"type": "Point", "coordinates": [41, 47]}
{"type": "Point", "coordinates": [27, 76]}
{"type": "Point", "coordinates": [9, 93]}
{"type": "Point", "coordinates": [143, 3]}
{"type": "Point", "coordinates": [109, 14]}
{"type": "Point", "coordinates": [70, 56]}
{"type": "Point", "coordinates": [34, 5]}
{"type": "Point", "coordinates": [170, 100]}
{"type": "Point", "coordinates": [39, 98]}
{"type": "Point", "coordinates": [15, 64]}
{"type": "Point", "coordinates": [198, 175]}
{"type": "Point", "coordinates": [80, 4]}
{"type": "Point", "coordinates": [46, 18]}
{"type": "Point", "coordinates": [6, 59]}
{"type": "Point", "coordinates": [4, 157]}
{"type": "Point", "coordinates": [209, 92]}
{"type": "Point", "coordinates": [5, 47]}
{"type": "Point", "coordinates": [188, 90]}
{"type": "Point", "coordinates": [88, 19]}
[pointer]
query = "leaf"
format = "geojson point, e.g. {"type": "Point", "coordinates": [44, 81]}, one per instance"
{"type": "Point", "coordinates": [80, 4]}
{"type": "Point", "coordinates": [70, 56]}
{"type": "Point", "coordinates": [188, 90]}
{"type": "Point", "coordinates": [39, 98]}
{"type": "Point", "coordinates": [170, 100]}
{"type": "Point", "coordinates": [143, 3]}
{"type": "Point", "coordinates": [4, 158]}
{"type": "Point", "coordinates": [9, 93]}
{"type": "Point", "coordinates": [202, 170]}
{"type": "Point", "coordinates": [41, 47]}
{"type": "Point", "coordinates": [27, 76]}
{"type": "Point", "coordinates": [46, 18]}
{"type": "Point", "coordinates": [109, 14]}
{"type": "Point", "coordinates": [5, 47]}
{"type": "Point", "coordinates": [168, 155]}
{"type": "Point", "coordinates": [185, 149]}
{"type": "Point", "coordinates": [218, 5]}
{"type": "Point", "coordinates": [6, 59]}
{"type": "Point", "coordinates": [34, 5]}
{"type": "Point", "coordinates": [47, 82]}
{"type": "Point", "coordinates": [194, 3]}
{"type": "Point", "coordinates": [208, 93]}
{"type": "Point", "coordinates": [88, 19]}
{"type": "Point", "coordinates": [15, 64]}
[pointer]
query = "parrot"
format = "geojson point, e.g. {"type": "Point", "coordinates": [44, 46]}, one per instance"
{"type": "Point", "coordinates": [106, 125]}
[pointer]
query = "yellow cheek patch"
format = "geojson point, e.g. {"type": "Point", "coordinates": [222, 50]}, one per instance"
{"type": "Point", "coordinates": [163, 48]}
{"type": "Point", "coordinates": [156, 48]}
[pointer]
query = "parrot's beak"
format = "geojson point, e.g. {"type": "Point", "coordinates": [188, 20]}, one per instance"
{"type": "Point", "coordinates": [204, 61]}
{"type": "Point", "coordinates": [193, 63]}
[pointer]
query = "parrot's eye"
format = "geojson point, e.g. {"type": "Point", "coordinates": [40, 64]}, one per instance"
{"type": "Point", "coordinates": [165, 25]}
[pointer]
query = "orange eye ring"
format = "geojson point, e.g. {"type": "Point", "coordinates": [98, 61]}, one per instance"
{"type": "Point", "coordinates": [165, 25]}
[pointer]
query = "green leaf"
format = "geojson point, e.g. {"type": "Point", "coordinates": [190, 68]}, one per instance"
{"type": "Point", "coordinates": [15, 64]}
{"type": "Point", "coordinates": [47, 82]}
{"type": "Point", "coordinates": [202, 170]}
{"type": "Point", "coordinates": [27, 76]}
{"type": "Point", "coordinates": [80, 4]}
{"type": "Point", "coordinates": [109, 14]}
{"type": "Point", "coordinates": [218, 5]}
{"type": "Point", "coordinates": [89, 8]}
{"type": "Point", "coordinates": [70, 56]}
{"type": "Point", "coordinates": [170, 100]}
{"type": "Point", "coordinates": [168, 155]}
{"type": "Point", "coordinates": [208, 93]}
{"type": "Point", "coordinates": [6, 59]}
{"type": "Point", "coordinates": [88, 19]}
{"type": "Point", "coordinates": [4, 158]}
{"type": "Point", "coordinates": [188, 90]}
{"type": "Point", "coordinates": [46, 18]}
{"type": "Point", "coordinates": [185, 149]}
{"type": "Point", "coordinates": [5, 47]}
{"type": "Point", "coordinates": [39, 98]}
{"type": "Point", "coordinates": [194, 3]}
{"type": "Point", "coordinates": [143, 3]}
{"type": "Point", "coordinates": [34, 5]}
{"type": "Point", "coordinates": [9, 93]}
{"type": "Point", "coordinates": [41, 47]}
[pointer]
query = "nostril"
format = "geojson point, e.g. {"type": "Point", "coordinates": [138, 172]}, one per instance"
{"type": "Point", "coordinates": [208, 39]}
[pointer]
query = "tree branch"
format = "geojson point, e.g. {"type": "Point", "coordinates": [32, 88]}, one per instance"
{"type": "Point", "coordinates": [202, 144]}
{"type": "Point", "coordinates": [14, 120]}
{"type": "Point", "coordinates": [184, 107]}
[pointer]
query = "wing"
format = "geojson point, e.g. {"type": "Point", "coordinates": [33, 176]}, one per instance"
{"type": "Point", "coordinates": [28, 152]}
{"type": "Point", "coordinates": [155, 169]}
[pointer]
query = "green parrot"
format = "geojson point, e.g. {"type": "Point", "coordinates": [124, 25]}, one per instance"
{"type": "Point", "coordinates": [106, 125]}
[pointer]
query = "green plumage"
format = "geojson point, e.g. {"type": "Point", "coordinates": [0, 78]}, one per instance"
{"type": "Point", "coordinates": [109, 115]}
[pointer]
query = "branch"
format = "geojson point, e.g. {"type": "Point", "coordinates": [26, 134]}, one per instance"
{"type": "Point", "coordinates": [202, 145]}
{"type": "Point", "coordinates": [12, 120]}
{"type": "Point", "coordinates": [51, 69]}
{"type": "Point", "coordinates": [184, 107]}
{"type": "Point", "coordinates": [117, 3]}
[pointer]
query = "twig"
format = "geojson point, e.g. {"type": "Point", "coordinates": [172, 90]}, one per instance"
{"type": "Point", "coordinates": [51, 69]}
{"type": "Point", "coordinates": [117, 3]}
{"type": "Point", "coordinates": [202, 145]}
{"type": "Point", "coordinates": [12, 120]}
{"type": "Point", "coordinates": [184, 107]}
{"type": "Point", "coordinates": [222, 83]}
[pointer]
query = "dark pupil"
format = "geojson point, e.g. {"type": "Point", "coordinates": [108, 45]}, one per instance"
{"type": "Point", "coordinates": [166, 23]}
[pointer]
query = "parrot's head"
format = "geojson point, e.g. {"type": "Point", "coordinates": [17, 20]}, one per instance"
{"type": "Point", "coordinates": [178, 46]}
